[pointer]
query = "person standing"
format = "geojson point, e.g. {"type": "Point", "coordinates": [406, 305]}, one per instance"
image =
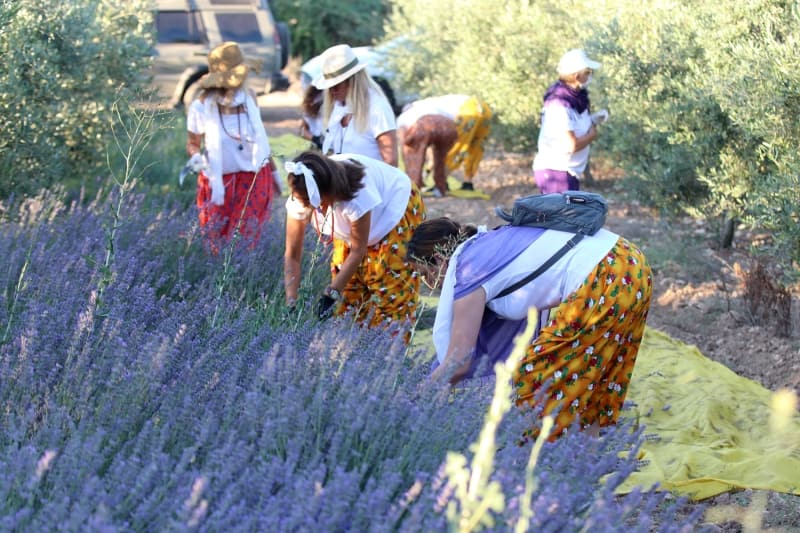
{"type": "Point", "coordinates": [455, 126]}
{"type": "Point", "coordinates": [227, 140]}
{"type": "Point", "coordinates": [368, 210]}
{"type": "Point", "coordinates": [357, 115]}
{"type": "Point", "coordinates": [568, 127]}
{"type": "Point", "coordinates": [598, 296]}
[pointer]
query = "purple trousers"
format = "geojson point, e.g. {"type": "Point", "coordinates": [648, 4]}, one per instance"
{"type": "Point", "coordinates": [550, 181]}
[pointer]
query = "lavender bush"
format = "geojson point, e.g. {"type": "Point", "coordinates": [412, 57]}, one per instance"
{"type": "Point", "coordinates": [134, 412]}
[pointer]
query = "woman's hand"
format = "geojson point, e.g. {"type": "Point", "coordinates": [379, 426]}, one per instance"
{"type": "Point", "coordinates": [193, 143]}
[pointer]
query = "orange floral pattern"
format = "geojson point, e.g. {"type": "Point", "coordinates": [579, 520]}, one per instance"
{"type": "Point", "coordinates": [589, 346]}
{"type": "Point", "coordinates": [385, 288]}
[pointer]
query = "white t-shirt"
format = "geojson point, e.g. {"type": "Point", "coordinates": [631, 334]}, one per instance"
{"type": "Point", "coordinates": [349, 140]}
{"type": "Point", "coordinates": [385, 195]}
{"type": "Point", "coordinates": [545, 292]}
{"type": "Point", "coordinates": [553, 151]}
{"type": "Point", "coordinates": [448, 106]}
{"type": "Point", "coordinates": [233, 159]}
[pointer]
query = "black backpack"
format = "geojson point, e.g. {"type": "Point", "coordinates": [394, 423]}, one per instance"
{"type": "Point", "coordinates": [578, 212]}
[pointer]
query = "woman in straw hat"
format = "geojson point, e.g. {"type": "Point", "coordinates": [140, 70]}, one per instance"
{"type": "Point", "coordinates": [454, 126]}
{"type": "Point", "coordinates": [368, 210]}
{"type": "Point", "coordinates": [568, 126]}
{"type": "Point", "coordinates": [226, 138]}
{"type": "Point", "coordinates": [358, 117]}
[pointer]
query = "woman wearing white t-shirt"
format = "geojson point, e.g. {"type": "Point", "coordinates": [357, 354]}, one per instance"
{"type": "Point", "coordinates": [368, 210]}
{"type": "Point", "coordinates": [227, 143]}
{"type": "Point", "coordinates": [358, 117]}
{"type": "Point", "coordinates": [568, 127]}
{"type": "Point", "coordinates": [597, 294]}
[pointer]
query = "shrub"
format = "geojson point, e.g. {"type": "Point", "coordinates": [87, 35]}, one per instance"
{"type": "Point", "coordinates": [63, 67]}
{"type": "Point", "coordinates": [707, 110]}
{"type": "Point", "coordinates": [136, 412]}
{"type": "Point", "coordinates": [703, 101]}
{"type": "Point", "coordinates": [494, 50]}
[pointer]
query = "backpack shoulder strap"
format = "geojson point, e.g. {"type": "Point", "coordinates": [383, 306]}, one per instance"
{"type": "Point", "coordinates": [547, 264]}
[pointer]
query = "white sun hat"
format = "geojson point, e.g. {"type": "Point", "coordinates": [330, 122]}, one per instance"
{"type": "Point", "coordinates": [574, 61]}
{"type": "Point", "coordinates": [338, 63]}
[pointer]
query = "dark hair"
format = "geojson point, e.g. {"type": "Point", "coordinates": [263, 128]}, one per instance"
{"type": "Point", "coordinates": [339, 179]}
{"type": "Point", "coordinates": [438, 235]}
{"type": "Point", "coordinates": [312, 101]}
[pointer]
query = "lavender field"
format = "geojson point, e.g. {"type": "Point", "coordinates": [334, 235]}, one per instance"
{"type": "Point", "coordinates": [147, 385]}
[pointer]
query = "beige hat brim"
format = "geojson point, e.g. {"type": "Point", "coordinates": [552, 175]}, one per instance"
{"type": "Point", "coordinates": [326, 81]}
{"type": "Point", "coordinates": [230, 79]}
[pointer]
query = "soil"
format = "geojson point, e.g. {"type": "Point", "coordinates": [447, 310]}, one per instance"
{"type": "Point", "coordinates": [700, 294]}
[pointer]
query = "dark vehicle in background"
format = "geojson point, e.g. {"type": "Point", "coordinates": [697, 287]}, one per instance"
{"type": "Point", "coordinates": [186, 30]}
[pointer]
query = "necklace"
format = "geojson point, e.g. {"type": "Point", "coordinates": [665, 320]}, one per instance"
{"type": "Point", "coordinates": [239, 108]}
{"type": "Point", "coordinates": [319, 227]}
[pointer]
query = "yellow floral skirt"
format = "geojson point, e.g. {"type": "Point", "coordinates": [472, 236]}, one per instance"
{"type": "Point", "coordinates": [385, 288]}
{"type": "Point", "coordinates": [588, 347]}
{"type": "Point", "coordinates": [473, 127]}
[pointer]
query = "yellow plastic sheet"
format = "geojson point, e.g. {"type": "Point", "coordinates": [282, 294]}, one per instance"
{"type": "Point", "coordinates": [454, 190]}
{"type": "Point", "coordinates": [712, 429]}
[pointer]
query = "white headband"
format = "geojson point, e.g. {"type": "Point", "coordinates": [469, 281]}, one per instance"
{"type": "Point", "coordinates": [298, 167]}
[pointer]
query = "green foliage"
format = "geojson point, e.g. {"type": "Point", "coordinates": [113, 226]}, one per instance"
{"type": "Point", "coordinates": [63, 67]}
{"type": "Point", "coordinates": [705, 110]}
{"type": "Point", "coordinates": [318, 24]}
{"type": "Point", "coordinates": [709, 107]}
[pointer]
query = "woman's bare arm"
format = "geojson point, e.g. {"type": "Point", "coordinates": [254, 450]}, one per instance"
{"type": "Point", "coordinates": [292, 258]}
{"type": "Point", "coordinates": [387, 144]}
{"type": "Point", "coordinates": [194, 142]}
{"type": "Point", "coordinates": [467, 317]}
{"type": "Point", "coordinates": [579, 143]}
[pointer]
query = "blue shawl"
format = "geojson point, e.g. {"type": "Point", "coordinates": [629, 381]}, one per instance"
{"type": "Point", "coordinates": [480, 259]}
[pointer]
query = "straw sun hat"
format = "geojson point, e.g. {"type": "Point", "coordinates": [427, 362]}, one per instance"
{"type": "Point", "coordinates": [226, 67]}
{"type": "Point", "coordinates": [338, 63]}
{"type": "Point", "coordinates": [575, 61]}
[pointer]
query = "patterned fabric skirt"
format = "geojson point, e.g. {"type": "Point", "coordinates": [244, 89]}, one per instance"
{"type": "Point", "coordinates": [473, 128]}
{"type": "Point", "coordinates": [385, 288]}
{"type": "Point", "coordinates": [589, 346]}
{"type": "Point", "coordinates": [252, 207]}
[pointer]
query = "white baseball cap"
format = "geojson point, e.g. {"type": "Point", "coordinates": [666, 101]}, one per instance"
{"type": "Point", "coordinates": [574, 61]}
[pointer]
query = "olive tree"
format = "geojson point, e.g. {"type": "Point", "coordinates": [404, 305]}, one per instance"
{"type": "Point", "coordinates": [706, 110]}
{"type": "Point", "coordinates": [64, 65]}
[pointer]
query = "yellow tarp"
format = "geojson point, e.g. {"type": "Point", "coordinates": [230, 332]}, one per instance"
{"type": "Point", "coordinates": [715, 429]}
{"type": "Point", "coordinates": [454, 190]}
{"type": "Point", "coordinates": [710, 429]}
